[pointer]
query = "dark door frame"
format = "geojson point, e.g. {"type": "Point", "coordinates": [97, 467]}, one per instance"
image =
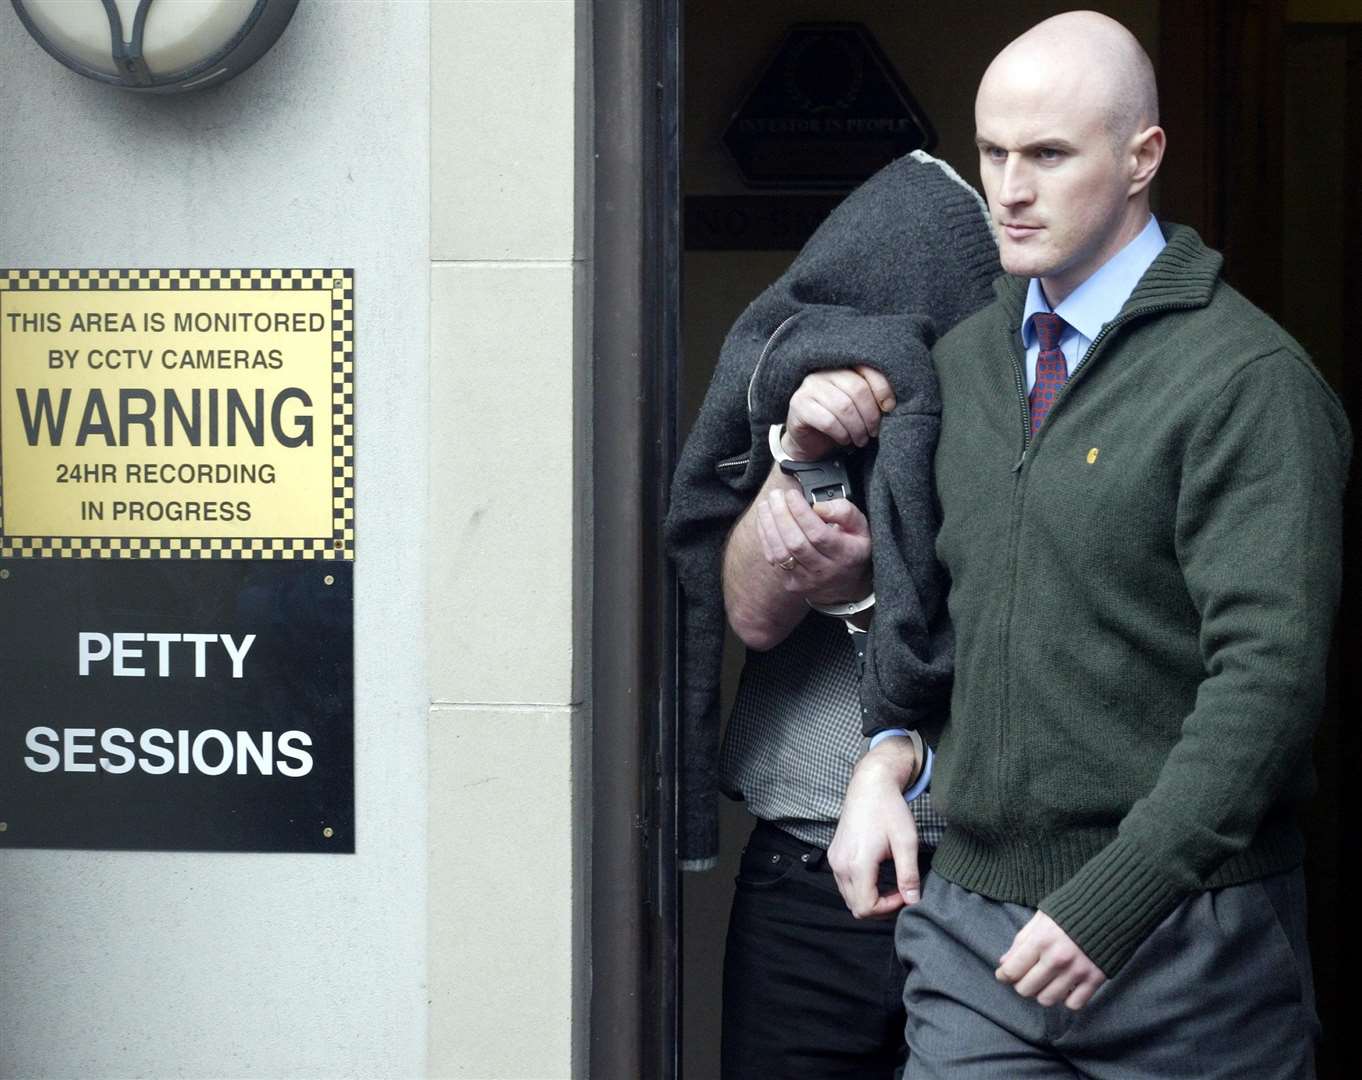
{"type": "Point", "coordinates": [632, 975]}
{"type": "Point", "coordinates": [1222, 75]}
{"type": "Point", "coordinates": [635, 342]}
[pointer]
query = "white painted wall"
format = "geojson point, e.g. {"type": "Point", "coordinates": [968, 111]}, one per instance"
{"type": "Point", "coordinates": [180, 965]}
{"type": "Point", "coordinates": [508, 561]}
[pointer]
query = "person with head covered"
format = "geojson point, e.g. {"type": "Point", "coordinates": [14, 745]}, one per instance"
{"type": "Point", "coordinates": [830, 361]}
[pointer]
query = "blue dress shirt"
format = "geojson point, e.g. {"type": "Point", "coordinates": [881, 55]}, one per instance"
{"type": "Point", "coordinates": [1094, 303]}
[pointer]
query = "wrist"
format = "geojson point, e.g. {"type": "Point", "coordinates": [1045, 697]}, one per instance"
{"type": "Point", "coordinates": [893, 761]}
{"type": "Point", "coordinates": [924, 777]}
{"type": "Point", "coordinates": [784, 446]}
{"type": "Point", "coordinates": [843, 597]}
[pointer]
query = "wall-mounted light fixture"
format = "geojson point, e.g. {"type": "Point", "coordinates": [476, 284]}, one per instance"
{"type": "Point", "coordinates": [156, 46]}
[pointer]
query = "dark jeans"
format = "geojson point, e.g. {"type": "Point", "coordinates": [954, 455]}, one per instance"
{"type": "Point", "coordinates": [809, 992]}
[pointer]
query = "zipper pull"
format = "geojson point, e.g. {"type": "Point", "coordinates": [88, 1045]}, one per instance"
{"type": "Point", "coordinates": [1020, 462]}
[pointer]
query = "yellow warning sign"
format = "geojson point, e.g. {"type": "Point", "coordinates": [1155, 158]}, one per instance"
{"type": "Point", "coordinates": [177, 413]}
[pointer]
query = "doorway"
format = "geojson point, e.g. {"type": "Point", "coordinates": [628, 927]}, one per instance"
{"type": "Point", "coordinates": [1263, 105]}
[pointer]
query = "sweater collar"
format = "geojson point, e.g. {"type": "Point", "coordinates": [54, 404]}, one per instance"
{"type": "Point", "coordinates": [1183, 275]}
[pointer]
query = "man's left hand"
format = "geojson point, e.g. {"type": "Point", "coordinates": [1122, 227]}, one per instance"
{"type": "Point", "coordinates": [1044, 963]}
{"type": "Point", "coordinates": [876, 824]}
{"type": "Point", "coordinates": [829, 543]}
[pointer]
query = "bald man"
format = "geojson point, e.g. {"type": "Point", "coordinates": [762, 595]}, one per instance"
{"type": "Point", "coordinates": [1140, 478]}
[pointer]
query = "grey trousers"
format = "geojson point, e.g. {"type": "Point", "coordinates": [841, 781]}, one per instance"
{"type": "Point", "coordinates": [1222, 988]}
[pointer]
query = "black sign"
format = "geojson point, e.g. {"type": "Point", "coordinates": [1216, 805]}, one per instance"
{"type": "Point", "coordinates": [195, 705]}
{"type": "Point", "coordinates": [754, 222]}
{"type": "Point", "coordinates": [829, 111]}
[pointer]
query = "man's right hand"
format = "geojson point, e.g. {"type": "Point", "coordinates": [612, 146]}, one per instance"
{"type": "Point", "coordinates": [877, 824]}
{"type": "Point", "coordinates": [837, 407]}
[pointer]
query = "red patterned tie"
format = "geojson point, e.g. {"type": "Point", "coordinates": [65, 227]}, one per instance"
{"type": "Point", "coordinates": [1051, 369]}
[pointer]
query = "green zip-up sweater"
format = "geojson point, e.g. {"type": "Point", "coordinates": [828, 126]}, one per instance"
{"type": "Point", "coordinates": [1142, 597]}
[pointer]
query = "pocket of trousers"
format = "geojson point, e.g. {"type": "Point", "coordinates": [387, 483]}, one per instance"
{"type": "Point", "coordinates": [1277, 895]}
{"type": "Point", "coordinates": [1254, 942]}
{"type": "Point", "coordinates": [764, 869]}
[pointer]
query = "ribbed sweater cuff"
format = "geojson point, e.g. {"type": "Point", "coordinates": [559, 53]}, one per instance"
{"type": "Point", "coordinates": [1112, 903]}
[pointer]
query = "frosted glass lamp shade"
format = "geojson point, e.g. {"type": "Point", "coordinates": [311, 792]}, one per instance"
{"type": "Point", "coordinates": [157, 46]}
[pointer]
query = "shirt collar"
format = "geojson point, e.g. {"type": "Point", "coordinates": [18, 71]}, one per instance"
{"type": "Point", "coordinates": [1097, 300]}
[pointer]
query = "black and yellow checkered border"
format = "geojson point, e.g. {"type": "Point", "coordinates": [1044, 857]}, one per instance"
{"type": "Point", "coordinates": [341, 543]}
{"type": "Point", "coordinates": [175, 279]}
{"type": "Point", "coordinates": [171, 547]}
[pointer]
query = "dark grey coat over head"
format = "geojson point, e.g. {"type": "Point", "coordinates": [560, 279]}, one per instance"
{"type": "Point", "coordinates": [904, 258]}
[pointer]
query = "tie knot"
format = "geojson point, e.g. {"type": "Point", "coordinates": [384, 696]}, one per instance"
{"type": "Point", "coordinates": [1049, 328]}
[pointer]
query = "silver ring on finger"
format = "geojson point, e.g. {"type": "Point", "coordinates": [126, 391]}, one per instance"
{"type": "Point", "coordinates": [789, 564]}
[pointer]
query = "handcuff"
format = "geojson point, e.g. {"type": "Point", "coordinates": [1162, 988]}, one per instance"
{"type": "Point", "coordinates": [823, 481]}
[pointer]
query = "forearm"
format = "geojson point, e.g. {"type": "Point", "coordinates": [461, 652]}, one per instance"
{"type": "Point", "coordinates": [1217, 812]}
{"type": "Point", "coordinates": [893, 762]}
{"type": "Point", "coordinates": [1258, 543]}
{"type": "Point", "coordinates": [761, 611]}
